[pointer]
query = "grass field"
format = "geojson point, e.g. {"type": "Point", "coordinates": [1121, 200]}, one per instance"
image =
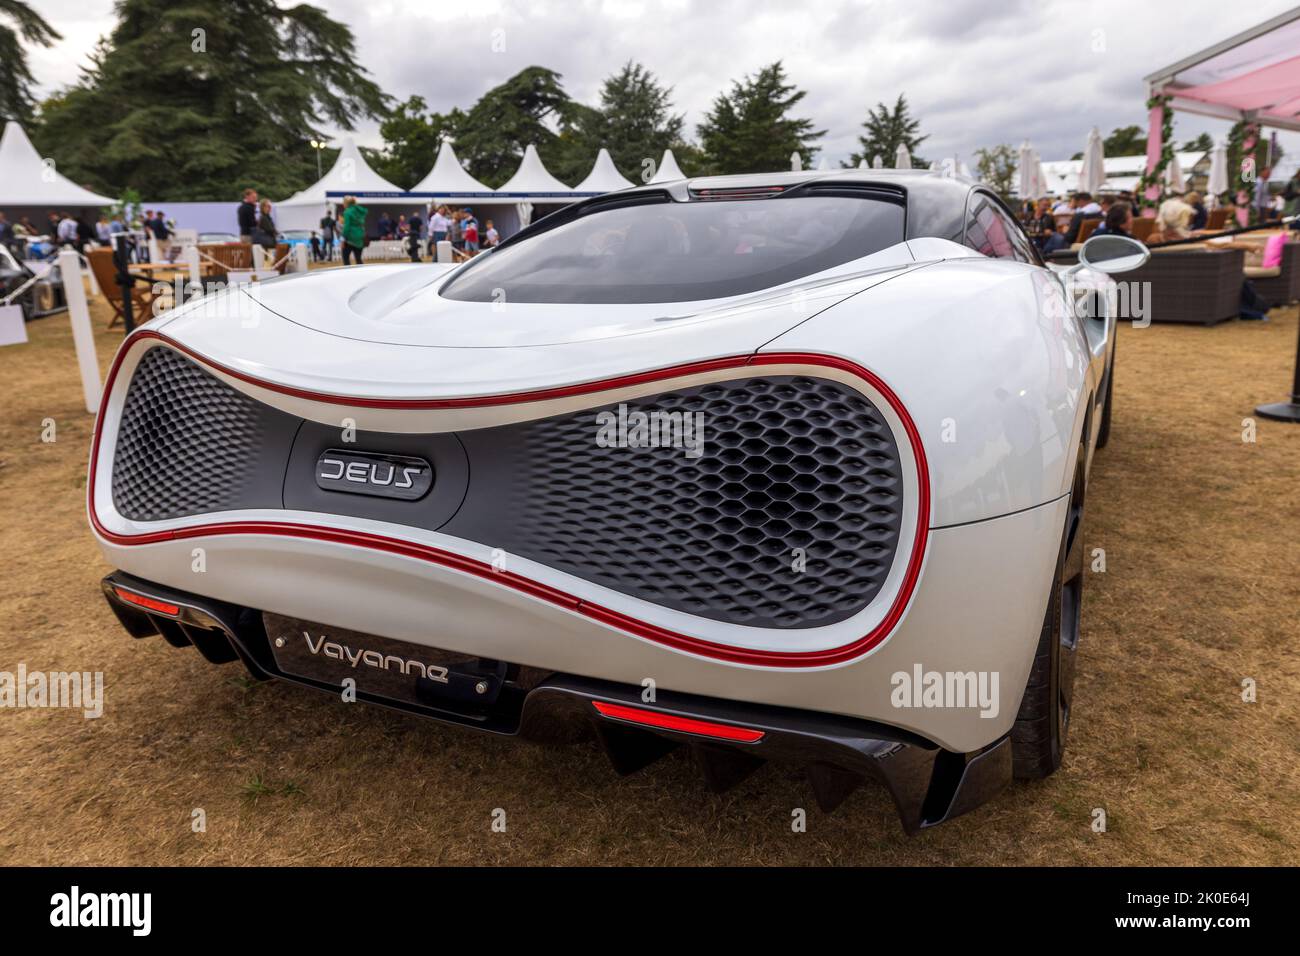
{"type": "Point", "coordinates": [1201, 532]}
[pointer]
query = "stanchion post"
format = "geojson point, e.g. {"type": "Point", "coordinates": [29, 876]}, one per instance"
{"type": "Point", "coordinates": [83, 337]}
{"type": "Point", "coordinates": [124, 280]}
{"type": "Point", "coordinates": [191, 254]}
{"type": "Point", "coordinates": [1286, 411]}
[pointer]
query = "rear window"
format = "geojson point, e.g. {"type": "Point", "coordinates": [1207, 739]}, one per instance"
{"type": "Point", "coordinates": [682, 251]}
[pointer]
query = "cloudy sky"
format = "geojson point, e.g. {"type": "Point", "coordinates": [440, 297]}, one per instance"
{"type": "Point", "coordinates": [977, 72]}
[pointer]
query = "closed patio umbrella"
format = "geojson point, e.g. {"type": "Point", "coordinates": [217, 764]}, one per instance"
{"type": "Point", "coordinates": [1174, 176]}
{"type": "Point", "coordinates": [1218, 182]}
{"type": "Point", "coordinates": [1092, 175]}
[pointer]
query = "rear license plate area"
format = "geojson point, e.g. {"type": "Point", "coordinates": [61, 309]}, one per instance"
{"type": "Point", "coordinates": [383, 667]}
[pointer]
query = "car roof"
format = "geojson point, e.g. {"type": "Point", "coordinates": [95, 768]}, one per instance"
{"type": "Point", "coordinates": [936, 200]}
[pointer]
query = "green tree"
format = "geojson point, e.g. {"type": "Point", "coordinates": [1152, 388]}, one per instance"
{"type": "Point", "coordinates": [492, 135]}
{"type": "Point", "coordinates": [1124, 141]}
{"type": "Point", "coordinates": [1202, 144]}
{"type": "Point", "coordinates": [750, 129]}
{"type": "Point", "coordinates": [886, 130]}
{"type": "Point", "coordinates": [412, 137]}
{"type": "Point", "coordinates": [197, 101]}
{"type": "Point", "coordinates": [997, 167]}
{"type": "Point", "coordinates": [634, 121]}
{"type": "Point", "coordinates": [16, 102]}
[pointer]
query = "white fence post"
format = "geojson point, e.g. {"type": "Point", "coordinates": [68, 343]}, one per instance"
{"type": "Point", "coordinates": [300, 258]}
{"type": "Point", "coordinates": [444, 252]}
{"type": "Point", "coordinates": [82, 336]}
{"type": "Point", "coordinates": [259, 258]}
{"type": "Point", "coordinates": [192, 260]}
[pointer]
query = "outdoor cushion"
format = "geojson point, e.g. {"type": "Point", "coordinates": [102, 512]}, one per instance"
{"type": "Point", "coordinates": [1260, 272]}
{"type": "Point", "coordinates": [1273, 251]}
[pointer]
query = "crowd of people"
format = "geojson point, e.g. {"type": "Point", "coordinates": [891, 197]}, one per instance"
{"type": "Point", "coordinates": [421, 234]}
{"type": "Point", "coordinates": [63, 229]}
{"type": "Point", "coordinates": [1182, 218]}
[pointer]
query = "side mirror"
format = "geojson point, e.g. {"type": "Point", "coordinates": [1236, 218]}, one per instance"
{"type": "Point", "coordinates": [1111, 254]}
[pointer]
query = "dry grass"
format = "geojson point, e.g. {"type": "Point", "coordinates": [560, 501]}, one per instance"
{"type": "Point", "coordinates": [1202, 540]}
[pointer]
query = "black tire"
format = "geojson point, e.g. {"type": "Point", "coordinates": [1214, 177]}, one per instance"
{"type": "Point", "coordinates": [1039, 734]}
{"type": "Point", "coordinates": [1103, 433]}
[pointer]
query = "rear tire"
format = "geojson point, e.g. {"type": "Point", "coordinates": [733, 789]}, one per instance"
{"type": "Point", "coordinates": [1039, 734]}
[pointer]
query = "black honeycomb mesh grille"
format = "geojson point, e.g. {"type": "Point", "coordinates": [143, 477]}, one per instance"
{"type": "Point", "coordinates": [187, 444]}
{"type": "Point", "coordinates": [791, 466]}
{"type": "Point", "coordinates": [789, 518]}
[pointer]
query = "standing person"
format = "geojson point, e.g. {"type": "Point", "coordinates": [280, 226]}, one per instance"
{"type": "Point", "coordinates": [327, 234]}
{"type": "Point", "coordinates": [246, 215]}
{"type": "Point", "coordinates": [315, 247]}
{"type": "Point", "coordinates": [456, 230]}
{"type": "Point", "coordinates": [354, 229]}
{"type": "Point", "coordinates": [1291, 195]}
{"type": "Point", "coordinates": [158, 228]}
{"type": "Point", "coordinates": [413, 244]}
{"type": "Point", "coordinates": [438, 226]}
{"type": "Point", "coordinates": [102, 232]}
{"type": "Point", "coordinates": [85, 233]}
{"type": "Point", "coordinates": [385, 226]}
{"type": "Point", "coordinates": [493, 237]}
{"type": "Point", "coordinates": [6, 231]}
{"type": "Point", "coordinates": [66, 231]}
{"type": "Point", "coordinates": [264, 231]}
{"type": "Point", "coordinates": [471, 235]}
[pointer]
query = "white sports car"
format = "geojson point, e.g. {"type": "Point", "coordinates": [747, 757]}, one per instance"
{"type": "Point", "coordinates": [776, 467]}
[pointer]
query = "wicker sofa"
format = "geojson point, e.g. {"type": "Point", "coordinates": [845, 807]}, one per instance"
{"type": "Point", "coordinates": [1192, 284]}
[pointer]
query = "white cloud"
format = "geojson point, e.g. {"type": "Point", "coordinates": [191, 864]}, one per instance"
{"type": "Point", "coordinates": [976, 73]}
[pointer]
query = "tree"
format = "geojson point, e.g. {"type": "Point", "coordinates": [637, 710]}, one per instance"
{"type": "Point", "coordinates": [750, 129]}
{"type": "Point", "coordinates": [1202, 144]}
{"type": "Point", "coordinates": [1124, 141]}
{"type": "Point", "coordinates": [997, 167]}
{"type": "Point", "coordinates": [886, 130]}
{"type": "Point", "coordinates": [197, 101]}
{"type": "Point", "coordinates": [16, 78]}
{"type": "Point", "coordinates": [492, 136]}
{"type": "Point", "coordinates": [412, 137]}
{"type": "Point", "coordinates": [634, 121]}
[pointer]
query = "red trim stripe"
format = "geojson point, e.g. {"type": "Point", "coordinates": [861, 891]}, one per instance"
{"type": "Point", "coordinates": [457, 562]}
{"type": "Point", "coordinates": [689, 725]}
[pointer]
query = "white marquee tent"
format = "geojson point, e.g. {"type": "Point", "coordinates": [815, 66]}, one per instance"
{"type": "Point", "coordinates": [349, 174]}
{"type": "Point", "coordinates": [449, 180]}
{"type": "Point", "coordinates": [27, 182]}
{"type": "Point", "coordinates": [668, 169]}
{"type": "Point", "coordinates": [604, 176]}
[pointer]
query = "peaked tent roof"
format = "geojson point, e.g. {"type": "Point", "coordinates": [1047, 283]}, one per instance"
{"type": "Point", "coordinates": [532, 177]}
{"type": "Point", "coordinates": [350, 173]}
{"type": "Point", "coordinates": [448, 177]}
{"type": "Point", "coordinates": [26, 181]}
{"type": "Point", "coordinates": [604, 176]}
{"type": "Point", "coordinates": [668, 169]}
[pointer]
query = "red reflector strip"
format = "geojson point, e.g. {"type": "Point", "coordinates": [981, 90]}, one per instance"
{"type": "Point", "coordinates": [148, 603]}
{"type": "Point", "coordinates": [689, 725]}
